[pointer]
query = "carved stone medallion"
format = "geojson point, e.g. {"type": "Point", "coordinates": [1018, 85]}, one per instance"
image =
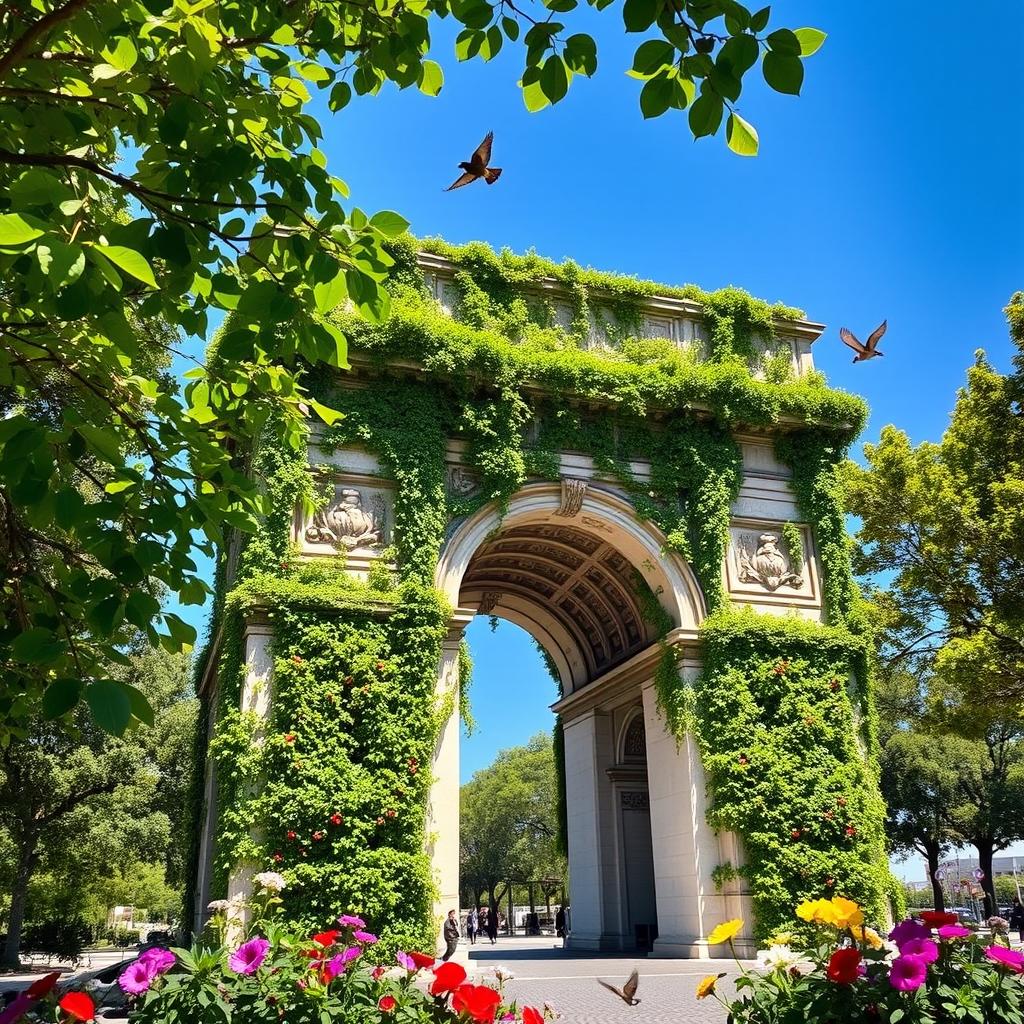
{"type": "Point", "coordinates": [349, 521]}
{"type": "Point", "coordinates": [759, 559]}
{"type": "Point", "coordinates": [459, 482]}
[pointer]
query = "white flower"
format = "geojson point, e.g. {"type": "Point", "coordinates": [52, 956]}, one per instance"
{"type": "Point", "coordinates": [495, 976]}
{"type": "Point", "coordinates": [777, 958]}
{"type": "Point", "coordinates": [218, 906]}
{"type": "Point", "coordinates": [270, 880]}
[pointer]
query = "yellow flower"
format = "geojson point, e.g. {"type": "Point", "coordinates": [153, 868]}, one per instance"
{"type": "Point", "coordinates": [724, 932]}
{"type": "Point", "coordinates": [846, 913]}
{"type": "Point", "coordinates": [816, 910]}
{"type": "Point", "coordinates": [868, 935]}
{"type": "Point", "coordinates": [707, 986]}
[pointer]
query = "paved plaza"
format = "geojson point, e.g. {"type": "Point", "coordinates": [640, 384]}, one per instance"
{"type": "Point", "coordinates": [544, 972]}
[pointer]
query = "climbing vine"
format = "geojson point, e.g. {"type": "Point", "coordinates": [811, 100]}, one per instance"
{"type": "Point", "coordinates": [332, 789]}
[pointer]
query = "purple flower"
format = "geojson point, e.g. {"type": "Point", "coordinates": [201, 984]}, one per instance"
{"type": "Point", "coordinates": [406, 961]}
{"type": "Point", "coordinates": [351, 920]}
{"type": "Point", "coordinates": [159, 959]}
{"type": "Point", "coordinates": [954, 931]}
{"type": "Point", "coordinates": [924, 948]}
{"type": "Point", "coordinates": [249, 956]}
{"type": "Point", "coordinates": [338, 963]}
{"type": "Point", "coordinates": [137, 977]}
{"type": "Point", "coordinates": [907, 930]}
{"type": "Point", "coordinates": [367, 937]}
{"type": "Point", "coordinates": [1007, 957]}
{"type": "Point", "coordinates": [908, 973]}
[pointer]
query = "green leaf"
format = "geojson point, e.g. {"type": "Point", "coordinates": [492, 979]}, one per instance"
{"type": "Point", "coordinates": [554, 80]}
{"type": "Point", "coordinates": [15, 230]}
{"type": "Point", "coordinates": [581, 54]}
{"type": "Point", "coordinates": [705, 114]}
{"type": "Point", "coordinates": [389, 223]}
{"type": "Point", "coordinates": [738, 54]}
{"type": "Point", "coordinates": [122, 55]}
{"type": "Point", "coordinates": [656, 96]}
{"type": "Point", "coordinates": [810, 40]}
{"type": "Point", "coordinates": [340, 345]}
{"type": "Point", "coordinates": [783, 73]}
{"type": "Point", "coordinates": [759, 20]}
{"type": "Point", "coordinates": [341, 93]}
{"type": "Point", "coordinates": [533, 96]}
{"type": "Point", "coordinates": [431, 78]}
{"type": "Point", "coordinates": [328, 415]}
{"type": "Point", "coordinates": [511, 27]}
{"type": "Point", "coordinates": [36, 646]}
{"type": "Point", "coordinates": [110, 705]}
{"type": "Point", "coordinates": [140, 706]}
{"type": "Point", "coordinates": [130, 261]}
{"type": "Point", "coordinates": [784, 42]}
{"type": "Point", "coordinates": [327, 294]}
{"type": "Point", "coordinates": [639, 15]}
{"type": "Point", "coordinates": [60, 697]}
{"type": "Point", "coordinates": [741, 136]}
{"type": "Point", "coordinates": [652, 56]}
{"type": "Point", "coordinates": [181, 632]}
{"type": "Point", "coordinates": [141, 608]}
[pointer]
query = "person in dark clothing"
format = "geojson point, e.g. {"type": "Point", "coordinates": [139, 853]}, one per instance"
{"type": "Point", "coordinates": [1017, 917]}
{"type": "Point", "coordinates": [492, 926]}
{"type": "Point", "coordinates": [560, 923]}
{"type": "Point", "coordinates": [451, 934]}
{"type": "Point", "coordinates": [472, 925]}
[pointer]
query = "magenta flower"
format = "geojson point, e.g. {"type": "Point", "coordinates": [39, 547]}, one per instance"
{"type": "Point", "coordinates": [954, 931]}
{"type": "Point", "coordinates": [908, 973]}
{"type": "Point", "coordinates": [351, 920]}
{"type": "Point", "coordinates": [406, 961]}
{"type": "Point", "coordinates": [1006, 957]}
{"type": "Point", "coordinates": [159, 959]}
{"type": "Point", "coordinates": [137, 977]}
{"type": "Point", "coordinates": [339, 963]}
{"type": "Point", "coordinates": [367, 937]}
{"type": "Point", "coordinates": [249, 956]}
{"type": "Point", "coordinates": [924, 948]}
{"type": "Point", "coordinates": [907, 930]}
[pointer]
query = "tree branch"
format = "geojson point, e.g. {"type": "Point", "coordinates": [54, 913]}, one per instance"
{"type": "Point", "coordinates": [36, 30]}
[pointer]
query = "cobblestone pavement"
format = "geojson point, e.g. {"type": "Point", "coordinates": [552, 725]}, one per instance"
{"type": "Point", "coordinates": [568, 982]}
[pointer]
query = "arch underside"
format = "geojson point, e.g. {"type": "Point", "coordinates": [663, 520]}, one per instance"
{"type": "Point", "coordinates": [576, 593]}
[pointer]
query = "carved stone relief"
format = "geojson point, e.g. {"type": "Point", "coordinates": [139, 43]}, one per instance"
{"type": "Point", "coordinates": [459, 482]}
{"type": "Point", "coordinates": [574, 490]}
{"type": "Point", "coordinates": [353, 518]}
{"type": "Point", "coordinates": [633, 800]}
{"type": "Point", "coordinates": [761, 559]}
{"type": "Point", "coordinates": [488, 603]}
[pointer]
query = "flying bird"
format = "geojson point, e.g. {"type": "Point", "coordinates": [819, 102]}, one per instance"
{"type": "Point", "coordinates": [628, 991]}
{"type": "Point", "coordinates": [477, 167]}
{"type": "Point", "coordinates": [867, 351]}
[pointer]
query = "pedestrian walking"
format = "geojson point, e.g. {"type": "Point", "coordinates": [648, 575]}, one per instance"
{"type": "Point", "coordinates": [450, 933]}
{"type": "Point", "coordinates": [472, 925]}
{"type": "Point", "coordinates": [1017, 917]}
{"type": "Point", "coordinates": [560, 923]}
{"type": "Point", "coordinates": [492, 926]}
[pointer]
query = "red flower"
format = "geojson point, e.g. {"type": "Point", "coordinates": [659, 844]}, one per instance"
{"type": "Point", "coordinates": [42, 987]}
{"type": "Point", "coordinates": [850, 830]}
{"type": "Point", "coordinates": [532, 1016]}
{"type": "Point", "coordinates": [290, 834]}
{"type": "Point", "coordinates": [841, 801]}
{"type": "Point", "coordinates": [296, 659]}
{"type": "Point", "coordinates": [834, 684]}
{"type": "Point", "coordinates": [386, 1004]}
{"type": "Point", "coordinates": [327, 938]}
{"type": "Point", "coordinates": [936, 918]}
{"type": "Point", "coordinates": [478, 1001]}
{"type": "Point", "coordinates": [381, 666]}
{"type": "Point", "coordinates": [390, 813]}
{"type": "Point", "coordinates": [78, 1006]}
{"type": "Point", "coordinates": [781, 668]}
{"type": "Point", "coordinates": [844, 966]}
{"type": "Point", "coordinates": [795, 833]}
{"type": "Point", "coordinates": [289, 737]}
{"type": "Point", "coordinates": [318, 835]}
{"type": "Point", "coordinates": [743, 758]}
{"type": "Point", "coordinates": [378, 972]}
{"type": "Point", "coordinates": [349, 680]}
{"type": "Point", "coordinates": [278, 857]}
{"type": "Point", "coordinates": [336, 818]}
{"type": "Point", "coordinates": [448, 976]}
{"type": "Point", "coordinates": [422, 960]}
{"type": "Point", "coordinates": [380, 821]}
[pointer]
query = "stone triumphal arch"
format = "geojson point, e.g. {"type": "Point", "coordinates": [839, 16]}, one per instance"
{"type": "Point", "coordinates": [574, 550]}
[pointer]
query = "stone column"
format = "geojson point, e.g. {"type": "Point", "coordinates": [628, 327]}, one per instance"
{"type": "Point", "coordinates": [686, 849]}
{"type": "Point", "coordinates": [591, 837]}
{"type": "Point", "coordinates": [443, 802]}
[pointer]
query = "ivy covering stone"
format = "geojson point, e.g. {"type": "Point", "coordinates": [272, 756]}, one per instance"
{"type": "Point", "coordinates": [332, 790]}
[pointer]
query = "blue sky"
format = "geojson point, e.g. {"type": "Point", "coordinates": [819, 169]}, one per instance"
{"type": "Point", "coordinates": [890, 189]}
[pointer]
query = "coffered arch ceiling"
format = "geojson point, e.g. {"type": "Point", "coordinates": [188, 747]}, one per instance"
{"type": "Point", "coordinates": [567, 587]}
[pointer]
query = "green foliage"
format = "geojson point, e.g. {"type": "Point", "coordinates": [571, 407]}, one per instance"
{"type": "Point", "coordinates": [465, 681]}
{"type": "Point", "coordinates": [778, 728]}
{"type": "Point", "coordinates": [794, 543]}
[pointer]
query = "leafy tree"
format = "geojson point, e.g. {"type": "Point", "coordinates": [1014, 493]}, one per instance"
{"type": "Point", "coordinates": [83, 806]}
{"type": "Point", "coordinates": [947, 520]}
{"type": "Point", "coordinates": [509, 821]}
{"type": "Point", "coordinates": [158, 167]}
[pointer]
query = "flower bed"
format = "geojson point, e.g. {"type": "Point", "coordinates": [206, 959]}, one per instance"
{"type": "Point", "coordinates": [834, 969]}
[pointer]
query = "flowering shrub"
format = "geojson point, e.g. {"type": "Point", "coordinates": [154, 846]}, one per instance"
{"type": "Point", "coordinates": [931, 970]}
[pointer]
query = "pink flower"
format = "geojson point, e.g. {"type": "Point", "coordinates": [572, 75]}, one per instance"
{"type": "Point", "coordinates": [908, 973]}
{"type": "Point", "coordinates": [249, 956]}
{"type": "Point", "coordinates": [350, 920]}
{"type": "Point", "coordinates": [387, 1004]}
{"type": "Point", "coordinates": [1006, 957]}
{"type": "Point", "coordinates": [367, 937]}
{"type": "Point", "coordinates": [907, 930]}
{"type": "Point", "coordinates": [137, 977]}
{"type": "Point", "coordinates": [406, 961]}
{"type": "Point", "coordinates": [338, 963]}
{"type": "Point", "coordinates": [954, 931]}
{"type": "Point", "coordinates": [160, 959]}
{"type": "Point", "coordinates": [924, 948]}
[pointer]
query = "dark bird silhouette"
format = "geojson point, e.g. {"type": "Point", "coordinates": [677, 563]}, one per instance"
{"type": "Point", "coordinates": [477, 167]}
{"type": "Point", "coordinates": [867, 351]}
{"type": "Point", "coordinates": [628, 991]}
